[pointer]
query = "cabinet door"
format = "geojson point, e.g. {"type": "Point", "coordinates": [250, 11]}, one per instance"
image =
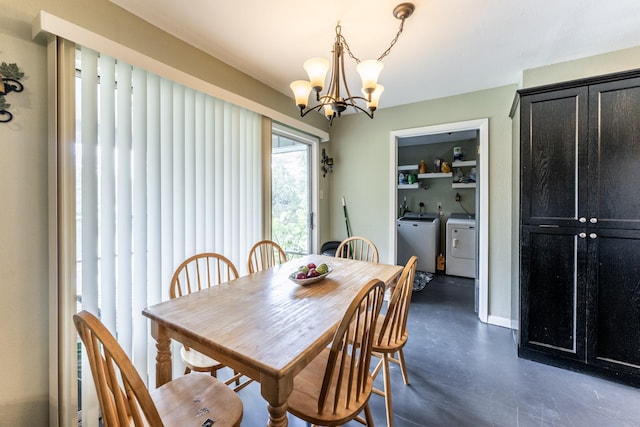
{"type": "Point", "coordinates": [614, 300]}
{"type": "Point", "coordinates": [552, 292]}
{"type": "Point", "coordinates": [614, 155]}
{"type": "Point", "coordinates": [553, 156]}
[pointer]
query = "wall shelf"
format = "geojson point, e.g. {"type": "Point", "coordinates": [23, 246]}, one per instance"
{"type": "Point", "coordinates": [435, 175]}
{"type": "Point", "coordinates": [463, 163]}
{"type": "Point", "coordinates": [408, 186]}
{"type": "Point", "coordinates": [463, 185]}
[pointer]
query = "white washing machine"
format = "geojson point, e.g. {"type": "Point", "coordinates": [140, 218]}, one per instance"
{"type": "Point", "coordinates": [461, 245]}
{"type": "Point", "coordinates": [419, 235]}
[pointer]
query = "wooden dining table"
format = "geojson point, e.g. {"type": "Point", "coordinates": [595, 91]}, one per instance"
{"type": "Point", "coordinates": [264, 325]}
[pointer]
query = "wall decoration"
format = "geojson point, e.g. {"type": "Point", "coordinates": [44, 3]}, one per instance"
{"type": "Point", "coordinates": [10, 76]}
{"type": "Point", "coordinates": [327, 163]}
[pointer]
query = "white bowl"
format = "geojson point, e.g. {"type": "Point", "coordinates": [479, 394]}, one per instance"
{"type": "Point", "coordinates": [310, 280]}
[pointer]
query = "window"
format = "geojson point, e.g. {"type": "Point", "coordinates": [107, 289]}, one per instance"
{"type": "Point", "coordinates": [292, 221]}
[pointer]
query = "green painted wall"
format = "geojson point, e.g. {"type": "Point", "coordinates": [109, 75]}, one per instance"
{"type": "Point", "coordinates": [610, 62]}
{"type": "Point", "coordinates": [24, 362]}
{"type": "Point", "coordinates": [362, 175]}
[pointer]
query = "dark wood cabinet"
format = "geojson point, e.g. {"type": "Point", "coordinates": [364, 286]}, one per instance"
{"type": "Point", "coordinates": [580, 225]}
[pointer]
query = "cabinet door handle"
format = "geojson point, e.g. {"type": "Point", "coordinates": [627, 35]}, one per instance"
{"type": "Point", "coordinates": [593, 220]}
{"type": "Point", "coordinates": [593, 235]}
{"type": "Point", "coordinates": [582, 235]}
{"type": "Point", "coordinates": [582, 219]}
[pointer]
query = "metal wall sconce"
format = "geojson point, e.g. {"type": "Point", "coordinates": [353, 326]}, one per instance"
{"type": "Point", "coordinates": [10, 76]}
{"type": "Point", "coordinates": [327, 163]}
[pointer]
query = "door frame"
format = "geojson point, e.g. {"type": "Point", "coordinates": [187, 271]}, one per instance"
{"type": "Point", "coordinates": [482, 192]}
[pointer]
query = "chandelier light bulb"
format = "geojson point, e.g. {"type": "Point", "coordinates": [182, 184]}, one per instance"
{"type": "Point", "coordinates": [301, 90]}
{"type": "Point", "coordinates": [316, 69]}
{"type": "Point", "coordinates": [369, 71]}
{"type": "Point", "coordinates": [328, 111]}
{"type": "Point", "coordinates": [375, 97]}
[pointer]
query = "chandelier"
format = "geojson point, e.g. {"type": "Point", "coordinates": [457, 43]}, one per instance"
{"type": "Point", "coordinates": [333, 102]}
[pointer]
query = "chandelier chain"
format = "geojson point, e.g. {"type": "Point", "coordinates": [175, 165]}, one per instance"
{"type": "Point", "coordinates": [393, 42]}
{"type": "Point", "coordinates": [346, 46]}
{"type": "Point", "coordinates": [385, 53]}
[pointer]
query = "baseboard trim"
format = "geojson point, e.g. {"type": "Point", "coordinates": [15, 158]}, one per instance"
{"type": "Point", "coordinates": [499, 321]}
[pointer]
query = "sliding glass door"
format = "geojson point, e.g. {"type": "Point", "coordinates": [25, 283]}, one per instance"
{"type": "Point", "coordinates": [162, 172]}
{"type": "Point", "coordinates": [292, 218]}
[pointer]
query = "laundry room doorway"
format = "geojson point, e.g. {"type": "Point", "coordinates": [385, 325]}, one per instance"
{"type": "Point", "coordinates": [478, 129]}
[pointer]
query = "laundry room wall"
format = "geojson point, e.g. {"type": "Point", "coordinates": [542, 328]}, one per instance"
{"type": "Point", "coordinates": [437, 190]}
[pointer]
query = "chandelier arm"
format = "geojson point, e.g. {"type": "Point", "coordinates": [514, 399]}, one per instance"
{"type": "Point", "coordinates": [353, 98]}
{"type": "Point", "coordinates": [326, 99]}
{"type": "Point", "coordinates": [305, 111]}
{"type": "Point", "coordinates": [344, 77]}
{"type": "Point", "coordinates": [338, 68]}
{"type": "Point", "coordinates": [367, 112]}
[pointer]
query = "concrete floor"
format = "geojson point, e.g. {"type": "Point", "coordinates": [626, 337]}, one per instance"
{"type": "Point", "coordinates": [466, 373]}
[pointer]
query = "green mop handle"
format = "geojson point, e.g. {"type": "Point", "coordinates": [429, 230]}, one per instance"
{"type": "Point", "coordinates": [346, 217]}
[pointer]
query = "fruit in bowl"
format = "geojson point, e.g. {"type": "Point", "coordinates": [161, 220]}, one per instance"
{"type": "Point", "coordinates": [322, 269]}
{"type": "Point", "coordinates": [310, 273]}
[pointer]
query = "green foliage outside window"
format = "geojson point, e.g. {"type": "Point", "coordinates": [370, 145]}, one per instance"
{"type": "Point", "coordinates": [290, 201]}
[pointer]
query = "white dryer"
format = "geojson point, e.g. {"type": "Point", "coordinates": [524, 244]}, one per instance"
{"type": "Point", "coordinates": [461, 246]}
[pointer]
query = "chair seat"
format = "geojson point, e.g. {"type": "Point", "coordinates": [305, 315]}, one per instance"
{"type": "Point", "coordinates": [303, 401]}
{"type": "Point", "coordinates": [207, 396]}
{"type": "Point", "coordinates": [387, 345]}
{"type": "Point", "coordinates": [198, 362]}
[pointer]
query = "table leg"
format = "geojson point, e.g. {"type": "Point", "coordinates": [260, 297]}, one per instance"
{"type": "Point", "coordinates": [276, 392]}
{"type": "Point", "coordinates": [163, 356]}
{"type": "Point", "coordinates": [277, 416]}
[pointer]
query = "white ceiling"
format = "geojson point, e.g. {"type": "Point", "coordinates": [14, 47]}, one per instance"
{"type": "Point", "coordinates": [448, 46]}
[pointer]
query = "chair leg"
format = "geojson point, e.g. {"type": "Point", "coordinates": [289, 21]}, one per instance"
{"type": "Point", "coordinates": [387, 389]}
{"type": "Point", "coordinates": [403, 367]}
{"type": "Point", "coordinates": [367, 415]}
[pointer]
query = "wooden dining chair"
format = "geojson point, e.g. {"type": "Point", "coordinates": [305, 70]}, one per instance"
{"type": "Point", "coordinates": [359, 248]}
{"type": "Point", "coordinates": [198, 272]}
{"type": "Point", "coordinates": [335, 387]}
{"type": "Point", "coordinates": [391, 333]}
{"type": "Point", "coordinates": [191, 400]}
{"type": "Point", "coordinates": [265, 254]}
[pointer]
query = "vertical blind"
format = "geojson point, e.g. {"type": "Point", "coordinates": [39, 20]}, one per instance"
{"type": "Point", "coordinates": [162, 172]}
